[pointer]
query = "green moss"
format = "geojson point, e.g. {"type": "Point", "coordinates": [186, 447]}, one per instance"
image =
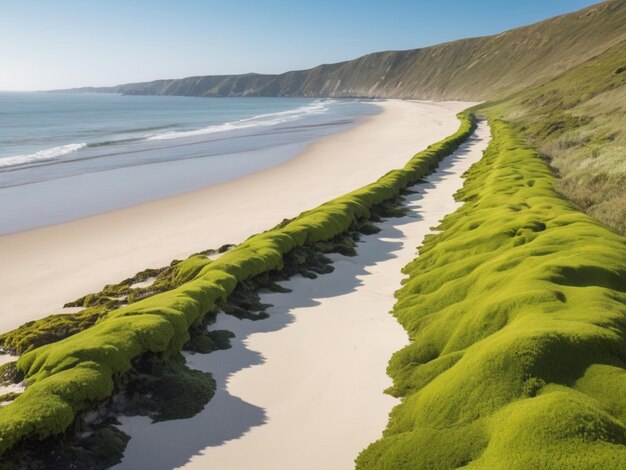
{"type": "Point", "coordinates": [77, 373]}
{"type": "Point", "coordinates": [369, 229]}
{"type": "Point", "coordinates": [56, 327]}
{"type": "Point", "coordinates": [9, 396]}
{"type": "Point", "coordinates": [205, 342]}
{"type": "Point", "coordinates": [167, 390]}
{"type": "Point", "coordinates": [101, 449]}
{"type": "Point", "coordinates": [50, 329]}
{"type": "Point", "coordinates": [106, 446]}
{"type": "Point", "coordinates": [516, 313]}
{"type": "Point", "coordinates": [10, 374]}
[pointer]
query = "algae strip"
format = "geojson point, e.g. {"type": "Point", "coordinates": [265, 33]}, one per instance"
{"type": "Point", "coordinates": [168, 389]}
{"type": "Point", "coordinates": [56, 327]}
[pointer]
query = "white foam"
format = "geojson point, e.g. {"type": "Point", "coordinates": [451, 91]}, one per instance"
{"type": "Point", "coordinates": [269, 119]}
{"type": "Point", "coordinates": [41, 156]}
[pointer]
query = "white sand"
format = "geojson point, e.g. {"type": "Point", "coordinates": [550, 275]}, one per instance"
{"type": "Point", "coordinates": [303, 389]}
{"type": "Point", "coordinates": [44, 268]}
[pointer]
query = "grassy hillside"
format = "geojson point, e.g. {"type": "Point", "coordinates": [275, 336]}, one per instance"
{"type": "Point", "coordinates": [578, 121]}
{"type": "Point", "coordinates": [516, 313]}
{"type": "Point", "coordinates": [470, 69]}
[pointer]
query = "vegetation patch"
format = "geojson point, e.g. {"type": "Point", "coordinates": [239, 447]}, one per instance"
{"type": "Point", "coordinates": [204, 342]}
{"type": "Point", "coordinates": [9, 397]}
{"type": "Point", "coordinates": [48, 330]}
{"type": "Point", "coordinates": [56, 327]}
{"type": "Point", "coordinates": [577, 122]}
{"type": "Point", "coordinates": [164, 390]}
{"type": "Point", "coordinates": [98, 449]}
{"type": "Point", "coordinates": [516, 312]}
{"type": "Point", "coordinates": [10, 374]}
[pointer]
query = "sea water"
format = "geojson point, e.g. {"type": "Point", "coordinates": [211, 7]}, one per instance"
{"type": "Point", "coordinates": [65, 156]}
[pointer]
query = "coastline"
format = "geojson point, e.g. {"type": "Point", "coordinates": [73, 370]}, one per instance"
{"type": "Point", "coordinates": [47, 267]}
{"type": "Point", "coordinates": [215, 141]}
{"type": "Point", "coordinates": [283, 400]}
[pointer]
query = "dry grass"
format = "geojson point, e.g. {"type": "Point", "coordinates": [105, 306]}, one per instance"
{"type": "Point", "coordinates": [578, 121]}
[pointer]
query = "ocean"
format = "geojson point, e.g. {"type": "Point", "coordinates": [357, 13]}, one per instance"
{"type": "Point", "coordinates": [65, 156]}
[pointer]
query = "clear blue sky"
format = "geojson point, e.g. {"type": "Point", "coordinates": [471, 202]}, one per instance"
{"type": "Point", "coordinates": [65, 43]}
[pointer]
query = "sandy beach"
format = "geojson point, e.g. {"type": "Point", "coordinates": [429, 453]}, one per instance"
{"type": "Point", "coordinates": [303, 389]}
{"type": "Point", "coordinates": [44, 268]}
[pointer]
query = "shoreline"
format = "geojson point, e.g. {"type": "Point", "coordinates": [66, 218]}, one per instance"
{"type": "Point", "coordinates": [105, 174]}
{"type": "Point", "coordinates": [47, 267]}
{"type": "Point", "coordinates": [330, 403]}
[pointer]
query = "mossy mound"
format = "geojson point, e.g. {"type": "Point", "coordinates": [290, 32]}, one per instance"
{"type": "Point", "coordinates": [99, 450]}
{"type": "Point", "coordinates": [204, 342]}
{"type": "Point", "coordinates": [48, 330]}
{"type": "Point", "coordinates": [53, 328]}
{"type": "Point", "coordinates": [517, 317]}
{"type": "Point", "coordinates": [166, 390]}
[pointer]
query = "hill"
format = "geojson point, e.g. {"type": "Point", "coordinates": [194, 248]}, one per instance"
{"type": "Point", "coordinates": [470, 69]}
{"type": "Point", "coordinates": [577, 121]}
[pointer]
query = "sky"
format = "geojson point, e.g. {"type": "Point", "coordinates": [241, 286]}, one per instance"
{"type": "Point", "coordinates": [49, 44]}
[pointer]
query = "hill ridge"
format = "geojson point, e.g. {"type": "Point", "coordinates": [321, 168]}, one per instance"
{"type": "Point", "coordinates": [479, 68]}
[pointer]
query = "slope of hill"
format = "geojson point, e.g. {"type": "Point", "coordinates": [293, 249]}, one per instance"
{"type": "Point", "coordinates": [577, 121]}
{"type": "Point", "coordinates": [470, 69]}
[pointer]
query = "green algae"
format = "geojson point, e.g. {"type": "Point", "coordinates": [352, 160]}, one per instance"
{"type": "Point", "coordinates": [56, 327]}
{"type": "Point", "coordinates": [165, 390]}
{"type": "Point", "coordinates": [99, 450]}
